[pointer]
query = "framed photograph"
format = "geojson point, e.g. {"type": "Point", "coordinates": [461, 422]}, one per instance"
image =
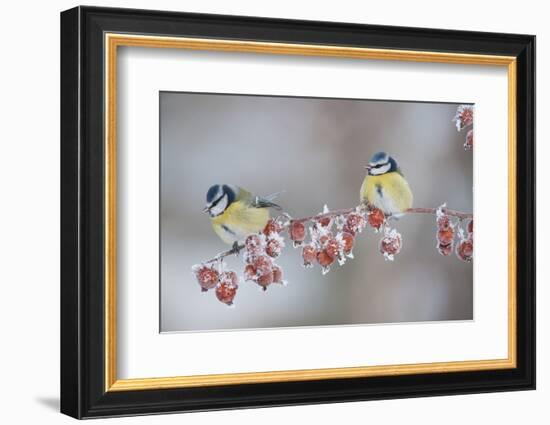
{"type": "Point", "coordinates": [262, 212]}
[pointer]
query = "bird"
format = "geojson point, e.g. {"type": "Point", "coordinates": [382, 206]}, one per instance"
{"type": "Point", "coordinates": [385, 186]}
{"type": "Point", "coordinates": [236, 213]}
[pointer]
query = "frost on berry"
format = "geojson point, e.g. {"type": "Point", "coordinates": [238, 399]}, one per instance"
{"type": "Point", "coordinates": [272, 227]}
{"type": "Point", "coordinates": [263, 265]}
{"type": "Point", "coordinates": [469, 142]}
{"type": "Point", "coordinates": [464, 116]}
{"type": "Point", "coordinates": [250, 272]}
{"type": "Point", "coordinates": [390, 244]}
{"type": "Point", "coordinates": [264, 280]}
{"type": "Point", "coordinates": [229, 277]}
{"type": "Point", "coordinates": [254, 246]}
{"type": "Point", "coordinates": [355, 223]}
{"type": "Point", "coordinates": [465, 250]}
{"type": "Point", "coordinates": [278, 275]}
{"type": "Point", "coordinates": [274, 245]}
{"type": "Point", "coordinates": [309, 255]}
{"type": "Point", "coordinates": [324, 260]}
{"type": "Point", "coordinates": [207, 276]}
{"type": "Point", "coordinates": [325, 221]}
{"type": "Point", "coordinates": [297, 232]}
{"type": "Point", "coordinates": [376, 218]}
{"type": "Point", "coordinates": [347, 243]}
{"type": "Point", "coordinates": [446, 235]}
{"type": "Point", "coordinates": [226, 291]}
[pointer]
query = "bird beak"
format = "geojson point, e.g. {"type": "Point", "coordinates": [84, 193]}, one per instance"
{"type": "Point", "coordinates": [367, 167]}
{"type": "Point", "coordinates": [205, 209]}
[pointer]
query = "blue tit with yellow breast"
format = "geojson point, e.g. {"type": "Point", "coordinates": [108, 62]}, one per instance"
{"type": "Point", "coordinates": [236, 213]}
{"type": "Point", "coordinates": [385, 187]}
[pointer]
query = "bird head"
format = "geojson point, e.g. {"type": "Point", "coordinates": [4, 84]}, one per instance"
{"type": "Point", "coordinates": [218, 198]}
{"type": "Point", "coordinates": [381, 163]}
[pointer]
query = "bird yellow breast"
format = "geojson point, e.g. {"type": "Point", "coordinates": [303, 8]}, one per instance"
{"type": "Point", "coordinates": [389, 192]}
{"type": "Point", "coordinates": [238, 221]}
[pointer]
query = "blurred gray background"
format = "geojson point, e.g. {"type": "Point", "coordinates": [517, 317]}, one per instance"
{"type": "Point", "coordinates": [315, 150]}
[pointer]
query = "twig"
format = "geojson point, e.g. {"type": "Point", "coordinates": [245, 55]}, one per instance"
{"type": "Point", "coordinates": [236, 249]}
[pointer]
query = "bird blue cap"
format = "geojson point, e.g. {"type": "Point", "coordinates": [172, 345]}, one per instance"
{"type": "Point", "coordinates": [379, 158]}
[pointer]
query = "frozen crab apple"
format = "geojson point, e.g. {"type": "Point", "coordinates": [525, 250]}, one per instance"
{"type": "Point", "coordinates": [207, 276]}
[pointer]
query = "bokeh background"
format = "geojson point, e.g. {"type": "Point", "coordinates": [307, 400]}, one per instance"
{"type": "Point", "coordinates": [315, 150]}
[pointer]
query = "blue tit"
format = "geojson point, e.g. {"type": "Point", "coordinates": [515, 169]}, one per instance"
{"type": "Point", "coordinates": [236, 213]}
{"type": "Point", "coordinates": [385, 186]}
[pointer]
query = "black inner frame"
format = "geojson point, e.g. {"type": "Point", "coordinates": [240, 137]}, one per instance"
{"type": "Point", "coordinates": [82, 207]}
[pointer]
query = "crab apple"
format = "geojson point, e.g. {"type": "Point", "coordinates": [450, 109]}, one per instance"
{"type": "Point", "coordinates": [273, 248]}
{"type": "Point", "coordinates": [249, 272]}
{"type": "Point", "coordinates": [332, 247]}
{"type": "Point", "coordinates": [225, 292]}
{"type": "Point", "coordinates": [443, 221]}
{"type": "Point", "coordinates": [465, 250]}
{"type": "Point", "coordinates": [446, 236]}
{"type": "Point", "coordinates": [277, 274]}
{"type": "Point", "coordinates": [347, 241]}
{"type": "Point", "coordinates": [324, 259]}
{"type": "Point", "coordinates": [272, 226]}
{"type": "Point", "coordinates": [263, 265]}
{"type": "Point", "coordinates": [297, 232]}
{"type": "Point", "coordinates": [355, 222]}
{"type": "Point", "coordinates": [376, 218]}
{"type": "Point", "coordinates": [469, 142]}
{"type": "Point", "coordinates": [265, 280]}
{"type": "Point", "coordinates": [324, 221]}
{"type": "Point", "coordinates": [464, 116]}
{"type": "Point", "coordinates": [471, 226]}
{"type": "Point", "coordinates": [390, 244]}
{"type": "Point", "coordinates": [229, 277]}
{"type": "Point", "coordinates": [207, 276]}
{"type": "Point", "coordinates": [445, 250]}
{"type": "Point", "coordinates": [309, 255]}
{"type": "Point", "coordinates": [254, 245]}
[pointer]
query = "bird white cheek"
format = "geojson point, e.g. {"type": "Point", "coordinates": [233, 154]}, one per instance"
{"type": "Point", "coordinates": [381, 170]}
{"type": "Point", "coordinates": [219, 207]}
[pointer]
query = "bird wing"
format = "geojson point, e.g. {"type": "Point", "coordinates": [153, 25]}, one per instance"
{"type": "Point", "coordinates": [267, 201]}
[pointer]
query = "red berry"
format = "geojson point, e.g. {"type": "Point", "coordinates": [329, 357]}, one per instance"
{"type": "Point", "coordinates": [471, 226]}
{"type": "Point", "coordinates": [445, 250]}
{"type": "Point", "coordinates": [324, 258]}
{"type": "Point", "coordinates": [443, 221]}
{"type": "Point", "coordinates": [446, 236]}
{"type": "Point", "coordinates": [332, 247]}
{"type": "Point", "coordinates": [376, 218]}
{"type": "Point", "coordinates": [390, 244]}
{"type": "Point", "coordinates": [226, 293]}
{"type": "Point", "coordinates": [207, 276]}
{"type": "Point", "coordinates": [465, 250]}
{"type": "Point", "coordinates": [263, 265]}
{"type": "Point", "coordinates": [273, 248]}
{"type": "Point", "coordinates": [272, 226]}
{"type": "Point", "coordinates": [309, 255]}
{"type": "Point", "coordinates": [254, 245]}
{"type": "Point", "coordinates": [265, 280]}
{"type": "Point", "coordinates": [346, 229]}
{"type": "Point", "coordinates": [325, 221]}
{"type": "Point", "coordinates": [464, 116]}
{"type": "Point", "coordinates": [348, 240]}
{"type": "Point", "coordinates": [249, 272]}
{"type": "Point", "coordinates": [355, 222]}
{"type": "Point", "coordinates": [469, 143]}
{"type": "Point", "coordinates": [297, 231]}
{"type": "Point", "coordinates": [277, 274]}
